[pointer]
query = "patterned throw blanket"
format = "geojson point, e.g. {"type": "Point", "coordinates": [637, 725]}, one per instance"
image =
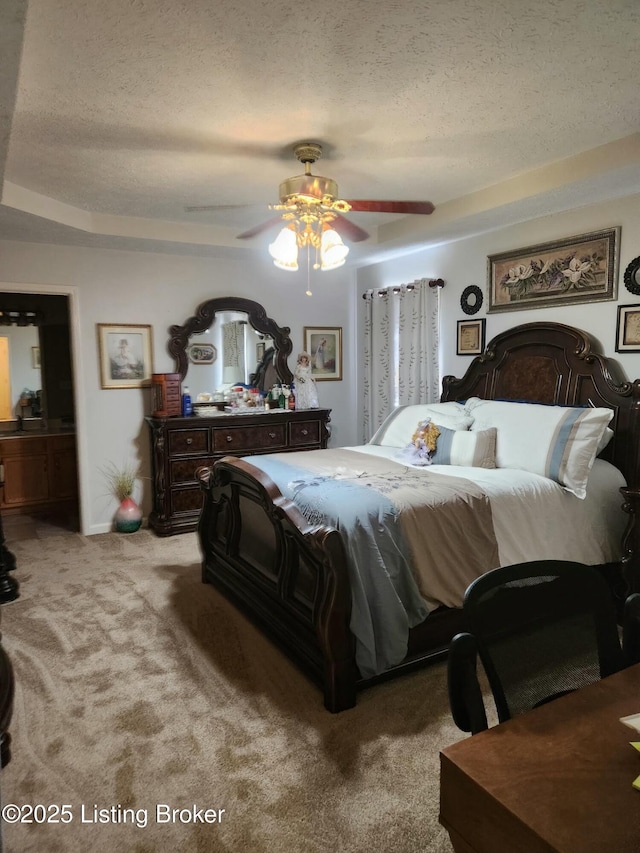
{"type": "Point", "coordinates": [415, 539]}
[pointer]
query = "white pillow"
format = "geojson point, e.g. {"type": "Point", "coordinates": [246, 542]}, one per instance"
{"type": "Point", "coordinates": [607, 435]}
{"type": "Point", "coordinates": [559, 442]}
{"type": "Point", "coordinates": [400, 425]}
{"type": "Point", "coordinates": [461, 447]}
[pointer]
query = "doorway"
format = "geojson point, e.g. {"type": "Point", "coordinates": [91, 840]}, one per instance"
{"type": "Point", "coordinates": [57, 395]}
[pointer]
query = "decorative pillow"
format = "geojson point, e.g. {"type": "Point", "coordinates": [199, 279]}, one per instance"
{"type": "Point", "coordinates": [460, 447]}
{"type": "Point", "coordinates": [559, 442]}
{"type": "Point", "coordinates": [400, 425]}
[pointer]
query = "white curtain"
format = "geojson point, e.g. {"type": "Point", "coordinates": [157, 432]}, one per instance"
{"type": "Point", "coordinates": [401, 338]}
{"type": "Point", "coordinates": [233, 351]}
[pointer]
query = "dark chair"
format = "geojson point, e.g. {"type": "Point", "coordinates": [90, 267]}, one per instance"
{"type": "Point", "coordinates": [540, 629]}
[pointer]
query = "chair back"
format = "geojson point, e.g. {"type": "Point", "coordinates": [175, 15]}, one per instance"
{"type": "Point", "coordinates": [542, 629]}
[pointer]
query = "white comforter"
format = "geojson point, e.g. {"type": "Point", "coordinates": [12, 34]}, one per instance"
{"type": "Point", "coordinates": [536, 519]}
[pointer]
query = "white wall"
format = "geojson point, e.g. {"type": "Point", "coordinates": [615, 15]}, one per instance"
{"type": "Point", "coordinates": [464, 262]}
{"type": "Point", "coordinates": [108, 286]}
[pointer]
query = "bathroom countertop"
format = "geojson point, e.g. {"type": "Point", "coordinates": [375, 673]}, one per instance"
{"type": "Point", "coordinates": [34, 433]}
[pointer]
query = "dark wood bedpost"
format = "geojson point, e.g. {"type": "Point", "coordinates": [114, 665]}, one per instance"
{"type": "Point", "coordinates": [8, 585]}
{"type": "Point", "coordinates": [631, 495]}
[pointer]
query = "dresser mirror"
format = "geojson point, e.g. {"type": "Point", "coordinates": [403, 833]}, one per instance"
{"type": "Point", "coordinates": [228, 341]}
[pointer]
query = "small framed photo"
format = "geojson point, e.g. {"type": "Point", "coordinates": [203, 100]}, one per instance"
{"type": "Point", "coordinates": [628, 329]}
{"type": "Point", "coordinates": [470, 337]}
{"type": "Point", "coordinates": [202, 353]}
{"type": "Point", "coordinates": [125, 355]}
{"type": "Point", "coordinates": [35, 358]}
{"type": "Point", "coordinates": [260, 351]}
{"type": "Point", "coordinates": [324, 345]}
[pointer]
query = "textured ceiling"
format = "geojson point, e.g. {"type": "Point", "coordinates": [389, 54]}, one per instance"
{"type": "Point", "coordinates": [117, 115]}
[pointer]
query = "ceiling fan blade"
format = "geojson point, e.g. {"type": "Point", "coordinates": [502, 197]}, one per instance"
{"type": "Point", "coordinates": [348, 229]}
{"type": "Point", "coordinates": [368, 206]}
{"type": "Point", "coordinates": [196, 208]}
{"type": "Point", "coordinates": [259, 229]}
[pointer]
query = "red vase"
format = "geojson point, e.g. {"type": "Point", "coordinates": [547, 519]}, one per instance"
{"type": "Point", "coordinates": [128, 517]}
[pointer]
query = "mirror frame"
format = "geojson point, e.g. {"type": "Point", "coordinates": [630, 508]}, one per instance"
{"type": "Point", "coordinates": [632, 277]}
{"type": "Point", "coordinates": [257, 318]}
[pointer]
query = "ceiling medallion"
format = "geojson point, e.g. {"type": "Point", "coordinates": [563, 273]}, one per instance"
{"type": "Point", "coordinates": [471, 299]}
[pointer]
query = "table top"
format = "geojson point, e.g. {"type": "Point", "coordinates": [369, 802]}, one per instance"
{"type": "Point", "coordinates": [562, 773]}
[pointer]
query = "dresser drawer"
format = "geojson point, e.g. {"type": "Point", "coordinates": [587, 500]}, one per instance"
{"type": "Point", "coordinates": [188, 441]}
{"type": "Point", "coordinates": [184, 470]}
{"type": "Point", "coordinates": [185, 501]}
{"type": "Point", "coordinates": [272, 436]}
{"type": "Point", "coordinates": [304, 432]}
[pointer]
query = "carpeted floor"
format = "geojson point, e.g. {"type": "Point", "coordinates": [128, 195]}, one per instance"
{"type": "Point", "coordinates": [139, 690]}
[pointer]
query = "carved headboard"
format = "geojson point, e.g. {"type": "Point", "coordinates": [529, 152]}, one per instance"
{"type": "Point", "coordinates": [558, 365]}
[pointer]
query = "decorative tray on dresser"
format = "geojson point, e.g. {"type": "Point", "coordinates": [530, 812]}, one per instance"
{"type": "Point", "coordinates": [182, 445]}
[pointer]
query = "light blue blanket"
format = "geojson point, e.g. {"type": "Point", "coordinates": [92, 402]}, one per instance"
{"type": "Point", "coordinates": [386, 601]}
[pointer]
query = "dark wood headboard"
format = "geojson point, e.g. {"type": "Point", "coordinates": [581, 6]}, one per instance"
{"type": "Point", "coordinates": [558, 365]}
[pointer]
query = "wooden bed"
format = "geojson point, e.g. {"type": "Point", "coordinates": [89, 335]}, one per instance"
{"type": "Point", "coordinates": [292, 578]}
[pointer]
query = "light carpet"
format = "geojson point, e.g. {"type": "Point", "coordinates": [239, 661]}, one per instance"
{"type": "Point", "coordinates": [140, 690]}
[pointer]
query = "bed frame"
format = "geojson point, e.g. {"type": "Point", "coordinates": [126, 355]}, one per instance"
{"type": "Point", "coordinates": [292, 578]}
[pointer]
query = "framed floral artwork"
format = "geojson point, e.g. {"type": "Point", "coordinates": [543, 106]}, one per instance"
{"type": "Point", "coordinates": [125, 355]}
{"type": "Point", "coordinates": [572, 270]}
{"type": "Point", "coordinates": [324, 345]}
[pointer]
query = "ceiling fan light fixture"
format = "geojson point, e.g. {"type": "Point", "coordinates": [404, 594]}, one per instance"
{"type": "Point", "coordinates": [333, 251]}
{"type": "Point", "coordinates": [284, 249]}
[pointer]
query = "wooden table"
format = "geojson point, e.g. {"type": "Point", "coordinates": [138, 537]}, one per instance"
{"type": "Point", "coordinates": [558, 778]}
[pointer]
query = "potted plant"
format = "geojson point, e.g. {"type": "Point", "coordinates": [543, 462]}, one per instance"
{"type": "Point", "coordinates": [128, 516]}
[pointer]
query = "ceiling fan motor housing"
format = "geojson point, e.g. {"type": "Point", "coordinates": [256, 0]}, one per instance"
{"type": "Point", "coordinates": [312, 187]}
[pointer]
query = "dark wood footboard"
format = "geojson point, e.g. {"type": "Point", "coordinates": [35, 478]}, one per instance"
{"type": "Point", "coordinates": [289, 576]}
{"type": "Point", "coordinates": [292, 579]}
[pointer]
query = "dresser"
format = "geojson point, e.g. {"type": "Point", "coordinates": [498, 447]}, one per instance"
{"type": "Point", "coordinates": [182, 445]}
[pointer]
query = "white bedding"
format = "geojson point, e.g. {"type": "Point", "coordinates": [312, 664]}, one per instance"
{"type": "Point", "coordinates": [534, 518]}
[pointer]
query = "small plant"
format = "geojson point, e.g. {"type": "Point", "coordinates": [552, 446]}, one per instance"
{"type": "Point", "coordinates": [121, 480]}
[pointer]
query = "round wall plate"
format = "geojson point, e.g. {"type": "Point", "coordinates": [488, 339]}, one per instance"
{"type": "Point", "coordinates": [632, 277]}
{"type": "Point", "coordinates": [471, 299]}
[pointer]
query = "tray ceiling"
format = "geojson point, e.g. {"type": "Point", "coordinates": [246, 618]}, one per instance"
{"type": "Point", "coordinates": [119, 115]}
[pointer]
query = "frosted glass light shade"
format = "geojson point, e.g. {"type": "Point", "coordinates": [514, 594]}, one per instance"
{"type": "Point", "coordinates": [333, 251]}
{"type": "Point", "coordinates": [284, 250]}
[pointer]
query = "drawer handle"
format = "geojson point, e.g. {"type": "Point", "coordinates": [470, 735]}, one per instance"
{"type": "Point", "coordinates": [229, 438]}
{"type": "Point", "coordinates": [272, 435]}
{"type": "Point", "coordinates": [189, 441]}
{"type": "Point", "coordinates": [305, 432]}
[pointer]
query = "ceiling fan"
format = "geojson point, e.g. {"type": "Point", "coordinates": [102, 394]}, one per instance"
{"type": "Point", "coordinates": [311, 198]}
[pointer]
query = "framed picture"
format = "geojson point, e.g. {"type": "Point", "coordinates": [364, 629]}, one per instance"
{"type": "Point", "coordinates": [470, 337]}
{"type": "Point", "coordinates": [35, 357]}
{"type": "Point", "coordinates": [202, 353]}
{"type": "Point", "coordinates": [324, 345]}
{"type": "Point", "coordinates": [628, 329]}
{"type": "Point", "coordinates": [125, 355]}
{"type": "Point", "coordinates": [573, 270]}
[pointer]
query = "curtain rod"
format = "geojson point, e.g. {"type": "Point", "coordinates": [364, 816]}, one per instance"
{"type": "Point", "coordinates": [433, 282]}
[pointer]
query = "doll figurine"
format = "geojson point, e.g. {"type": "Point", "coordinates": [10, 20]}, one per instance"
{"type": "Point", "coordinates": [306, 392]}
